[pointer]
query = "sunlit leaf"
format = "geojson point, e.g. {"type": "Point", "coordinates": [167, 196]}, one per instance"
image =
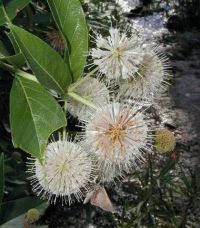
{"type": "Point", "coordinates": [34, 115]}
{"type": "Point", "coordinates": [70, 19]}
{"type": "Point", "coordinates": [46, 63]}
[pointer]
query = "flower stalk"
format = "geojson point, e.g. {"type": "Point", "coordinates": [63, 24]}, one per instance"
{"type": "Point", "coordinates": [80, 99]}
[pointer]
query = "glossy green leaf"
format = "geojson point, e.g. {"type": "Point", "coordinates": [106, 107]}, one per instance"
{"type": "Point", "coordinates": [48, 66]}
{"type": "Point", "coordinates": [14, 208]}
{"type": "Point", "coordinates": [12, 7]}
{"type": "Point", "coordinates": [1, 178]}
{"type": "Point", "coordinates": [71, 22]}
{"type": "Point", "coordinates": [34, 115]}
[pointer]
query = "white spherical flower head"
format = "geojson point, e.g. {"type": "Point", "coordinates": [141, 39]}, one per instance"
{"type": "Point", "coordinates": [66, 171]}
{"type": "Point", "coordinates": [118, 55]}
{"type": "Point", "coordinates": [117, 135]}
{"type": "Point", "coordinates": [152, 78]}
{"type": "Point", "coordinates": [93, 91]}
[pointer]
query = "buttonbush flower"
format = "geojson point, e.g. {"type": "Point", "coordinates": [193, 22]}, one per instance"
{"type": "Point", "coordinates": [117, 55]}
{"type": "Point", "coordinates": [117, 135]}
{"type": "Point", "coordinates": [66, 171]}
{"type": "Point", "coordinates": [91, 90]}
{"type": "Point", "coordinates": [152, 78]}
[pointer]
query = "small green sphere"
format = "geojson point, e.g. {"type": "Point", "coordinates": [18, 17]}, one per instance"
{"type": "Point", "coordinates": [32, 215]}
{"type": "Point", "coordinates": [165, 141]}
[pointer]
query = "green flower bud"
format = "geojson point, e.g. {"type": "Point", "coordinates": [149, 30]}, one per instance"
{"type": "Point", "coordinates": [32, 215]}
{"type": "Point", "coordinates": [165, 141]}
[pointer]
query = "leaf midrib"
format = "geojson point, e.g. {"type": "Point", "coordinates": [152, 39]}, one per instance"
{"type": "Point", "coordinates": [45, 71]}
{"type": "Point", "coordinates": [26, 97]}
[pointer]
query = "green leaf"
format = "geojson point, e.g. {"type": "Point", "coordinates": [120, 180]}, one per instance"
{"type": "Point", "coordinates": [71, 22]}
{"type": "Point", "coordinates": [11, 7]}
{"type": "Point", "coordinates": [14, 208]}
{"type": "Point", "coordinates": [1, 178]}
{"type": "Point", "coordinates": [16, 59]}
{"type": "Point", "coordinates": [48, 66]}
{"type": "Point", "coordinates": [34, 116]}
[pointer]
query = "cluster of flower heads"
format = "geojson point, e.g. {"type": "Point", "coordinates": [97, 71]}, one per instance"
{"type": "Point", "coordinates": [116, 131]}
